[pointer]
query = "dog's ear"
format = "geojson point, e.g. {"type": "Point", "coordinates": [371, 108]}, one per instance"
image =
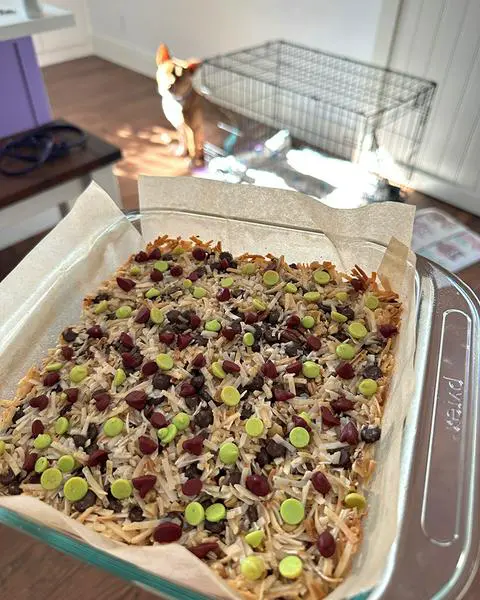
{"type": "Point", "coordinates": [162, 54]}
{"type": "Point", "coordinates": [193, 65]}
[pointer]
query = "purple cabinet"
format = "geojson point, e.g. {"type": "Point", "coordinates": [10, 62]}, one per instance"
{"type": "Point", "coordinates": [23, 98]}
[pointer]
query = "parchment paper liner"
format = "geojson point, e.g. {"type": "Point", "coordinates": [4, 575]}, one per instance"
{"type": "Point", "coordinates": [43, 295]}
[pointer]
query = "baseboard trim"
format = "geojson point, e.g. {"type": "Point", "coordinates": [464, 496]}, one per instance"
{"type": "Point", "coordinates": [124, 54]}
{"type": "Point", "coordinates": [448, 192]}
{"type": "Point", "coordinates": [54, 57]}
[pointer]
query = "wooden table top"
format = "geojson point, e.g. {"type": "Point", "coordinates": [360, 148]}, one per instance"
{"type": "Point", "coordinates": [78, 162]}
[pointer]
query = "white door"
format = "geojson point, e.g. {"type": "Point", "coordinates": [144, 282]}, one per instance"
{"type": "Point", "coordinates": [440, 40]}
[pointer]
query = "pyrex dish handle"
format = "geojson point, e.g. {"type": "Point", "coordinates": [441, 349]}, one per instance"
{"type": "Point", "coordinates": [436, 547]}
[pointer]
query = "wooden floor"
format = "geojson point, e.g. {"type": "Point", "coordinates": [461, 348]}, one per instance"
{"type": "Point", "coordinates": [124, 108]}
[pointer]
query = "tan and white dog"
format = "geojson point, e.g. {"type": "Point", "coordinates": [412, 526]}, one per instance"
{"type": "Point", "coordinates": [182, 105]}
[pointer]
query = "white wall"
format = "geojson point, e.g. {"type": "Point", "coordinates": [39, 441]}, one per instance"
{"type": "Point", "coordinates": [129, 32]}
{"type": "Point", "coordinates": [66, 44]}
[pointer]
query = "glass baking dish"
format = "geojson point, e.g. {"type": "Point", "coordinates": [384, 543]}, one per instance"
{"type": "Point", "coordinates": [439, 492]}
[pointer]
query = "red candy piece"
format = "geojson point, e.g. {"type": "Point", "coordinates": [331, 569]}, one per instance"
{"type": "Point", "coordinates": [258, 485]}
{"type": "Point", "coordinates": [321, 483]}
{"type": "Point", "coordinates": [40, 402]}
{"type": "Point", "coordinates": [230, 367]}
{"type": "Point", "coordinates": [187, 390]}
{"type": "Point", "coordinates": [357, 284]}
{"type": "Point", "coordinates": [98, 457]}
{"type": "Point", "coordinates": [136, 399]}
{"type": "Point", "coordinates": [326, 544]}
{"type": "Point", "coordinates": [199, 253]}
{"type": "Point", "coordinates": [328, 418]}
{"type": "Point", "coordinates": [192, 487]}
{"type": "Point", "coordinates": [72, 395]}
{"type": "Point", "coordinates": [141, 256]}
{"type": "Point", "coordinates": [102, 400]}
{"type": "Point", "coordinates": [37, 427]}
{"type": "Point", "coordinates": [294, 368]}
{"type": "Point", "coordinates": [349, 434]}
{"type": "Point", "coordinates": [51, 379]}
{"type": "Point", "coordinates": [281, 395]}
{"type": "Point", "coordinates": [131, 360]}
{"type": "Point", "coordinates": [167, 337]}
{"type": "Point", "coordinates": [147, 445]}
{"type": "Point", "coordinates": [300, 422]}
{"type": "Point", "coordinates": [95, 332]}
{"type": "Point", "coordinates": [194, 445]}
{"type": "Point", "coordinates": [224, 295]}
{"type": "Point", "coordinates": [345, 370]}
{"type": "Point", "coordinates": [202, 550]}
{"type": "Point", "coordinates": [293, 321]}
{"type": "Point", "coordinates": [149, 368]}
{"type": "Point", "coordinates": [143, 315]}
{"type": "Point", "coordinates": [228, 333]}
{"type": "Point", "coordinates": [314, 342]}
{"type": "Point", "coordinates": [156, 275]}
{"type": "Point", "coordinates": [67, 352]}
{"type": "Point", "coordinates": [199, 361]}
{"type": "Point", "coordinates": [183, 339]}
{"type": "Point", "coordinates": [341, 405]}
{"type": "Point", "coordinates": [269, 370]}
{"type": "Point", "coordinates": [158, 420]}
{"type": "Point", "coordinates": [176, 271]}
{"type": "Point", "coordinates": [29, 462]}
{"type": "Point", "coordinates": [249, 318]}
{"type": "Point", "coordinates": [195, 321]}
{"type": "Point", "coordinates": [155, 254]}
{"type": "Point", "coordinates": [125, 284]}
{"type": "Point", "coordinates": [144, 483]}
{"type": "Point", "coordinates": [387, 330]}
{"type": "Point", "coordinates": [126, 340]}
{"type": "Point", "coordinates": [167, 532]}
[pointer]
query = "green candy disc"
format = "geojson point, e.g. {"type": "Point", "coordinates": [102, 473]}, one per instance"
{"type": "Point", "coordinates": [41, 464]}
{"type": "Point", "coordinates": [121, 489]}
{"type": "Point", "coordinates": [61, 425]}
{"type": "Point", "coordinates": [292, 511]}
{"type": "Point", "coordinates": [299, 437]}
{"type": "Point", "coordinates": [75, 489]}
{"type": "Point", "coordinates": [255, 538]}
{"type": "Point", "coordinates": [371, 302]}
{"type": "Point", "coordinates": [42, 441]}
{"type": "Point", "coordinates": [164, 362]}
{"type": "Point", "coordinates": [51, 479]}
{"type": "Point", "coordinates": [228, 453]}
{"type": "Point", "coordinates": [290, 567]}
{"type": "Point", "coordinates": [194, 513]}
{"type": "Point", "coordinates": [357, 330]}
{"type": "Point", "coordinates": [321, 277]}
{"type": "Point", "coordinates": [367, 387]}
{"type": "Point", "coordinates": [66, 463]}
{"type": "Point", "coordinates": [230, 395]}
{"type": "Point", "coordinates": [161, 265]}
{"type": "Point", "coordinates": [312, 296]}
{"type": "Point", "coordinates": [271, 278]}
{"type": "Point", "coordinates": [120, 377]}
{"type": "Point", "coordinates": [113, 427]}
{"type": "Point", "coordinates": [181, 421]}
{"type": "Point", "coordinates": [308, 321]}
{"type": "Point", "coordinates": [310, 369]}
{"type": "Point", "coordinates": [252, 567]}
{"type": "Point", "coordinates": [248, 339]}
{"type": "Point", "coordinates": [345, 351]}
{"type": "Point", "coordinates": [254, 427]}
{"type": "Point", "coordinates": [215, 513]}
{"type": "Point", "coordinates": [78, 373]}
{"type": "Point", "coordinates": [213, 325]}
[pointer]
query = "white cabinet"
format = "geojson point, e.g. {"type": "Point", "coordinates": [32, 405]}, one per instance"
{"type": "Point", "coordinates": [69, 43]}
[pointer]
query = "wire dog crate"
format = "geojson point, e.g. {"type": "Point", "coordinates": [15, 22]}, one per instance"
{"type": "Point", "coordinates": [341, 106]}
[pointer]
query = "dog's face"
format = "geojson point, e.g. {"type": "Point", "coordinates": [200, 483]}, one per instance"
{"type": "Point", "coordinates": [174, 75]}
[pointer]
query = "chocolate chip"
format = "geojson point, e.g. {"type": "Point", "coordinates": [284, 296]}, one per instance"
{"type": "Point", "coordinates": [246, 412]}
{"type": "Point", "coordinates": [292, 349]}
{"type": "Point", "coordinates": [270, 336]}
{"type": "Point", "coordinates": [372, 372]}
{"type": "Point", "coordinates": [18, 414]}
{"type": "Point", "coordinates": [274, 317]}
{"type": "Point", "coordinates": [234, 478]}
{"type": "Point", "coordinates": [14, 489]}
{"type": "Point", "coordinates": [256, 384]}
{"type": "Point", "coordinates": [136, 514]}
{"type": "Point", "coordinates": [344, 460]}
{"type": "Point", "coordinates": [262, 458]}
{"type": "Point", "coordinates": [114, 504]}
{"type": "Point", "coordinates": [7, 478]}
{"type": "Point", "coordinates": [69, 335]}
{"type": "Point", "coordinates": [204, 417]}
{"type": "Point", "coordinates": [198, 381]}
{"type": "Point", "coordinates": [92, 432]}
{"type": "Point", "coordinates": [79, 440]}
{"type": "Point", "coordinates": [192, 471]}
{"type": "Point", "coordinates": [346, 311]}
{"type": "Point", "coordinates": [252, 513]}
{"type": "Point", "coordinates": [100, 297]}
{"type": "Point", "coordinates": [275, 450]}
{"type": "Point", "coordinates": [161, 381]}
{"type": "Point", "coordinates": [370, 435]}
{"type": "Point", "coordinates": [192, 402]}
{"type": "Point", "coordinates": [341, 336]}
{"type": "Point", "coordinates": [86, 502]}
{"type": "Point", "coordinates": [204, 395]}
{"type": "Point", "coordinates": [215, 527]}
